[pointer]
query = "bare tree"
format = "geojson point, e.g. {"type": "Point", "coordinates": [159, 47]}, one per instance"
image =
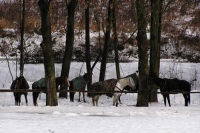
{"type": "Point", "coordinates": [87, 42]}
{"type": "Point", "coordinates": [22, 19]}
{"type": "Point", "coordinates": [154, 46]}
{"type": "Point", "coordinates": [107, 42]}
{"type": "Point", "coordinates": [115, 41]}
{"type": "Point", "coordinates": [45, 11]}
{"type": "Point", "coordinates": [143, 56]}
{"type": "Point", "coordinates": [71, 7]}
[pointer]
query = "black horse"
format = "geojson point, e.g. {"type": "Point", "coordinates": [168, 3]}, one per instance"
{"type": "Point", "coordinates": [20, 83]}
{"type": "Point", "coordinates": [173, 86]}
{"type": "Point", "coordinates": [40, 84]}
{"type": "Point", "coordinates": [79, 83]}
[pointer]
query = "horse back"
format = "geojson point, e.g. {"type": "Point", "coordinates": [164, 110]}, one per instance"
{"type": "Point", "coordinates": [25, 84]}
{"type": "Point", "coordinates": [98, 86]}
{"type": "Point", "coordinates": [107, 85]}
{"type": "Point", "coordinates": [176, 84]}
{"type": "Point", "coordinates": [185, 85]}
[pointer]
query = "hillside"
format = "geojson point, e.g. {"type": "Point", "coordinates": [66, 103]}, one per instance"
{"type": "Point", "coordinates": [180, 30]}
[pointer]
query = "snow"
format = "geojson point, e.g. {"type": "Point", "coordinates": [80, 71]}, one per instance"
{"type": "Point", "coordinates": [79, 117]}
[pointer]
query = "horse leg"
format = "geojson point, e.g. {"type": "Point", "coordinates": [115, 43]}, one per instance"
{"type": "Point", "coordinates": [120, 99]}
{"type": "Point", "coordinates": [97, 100]}
{"type": "Point", "coordinates": [189, 98]}
{"type": "Point", "coordinates": [25, 95]}
{"type": "Point", "coordinates": [168, 99]}
{"type": "Point", "coordinates": [19, 100]}
{"type": "Point", "coordinates": [79, 99]}
{"type": "Point", "coordinates": [186, 99]}
{"type": "Point", "coordinates": [71, 95]}
{"type": "Point", "coordinates": [164, 96]}
{"type": "Point", "coordinates": [35, 96]}
{"type": "Point", "coordinates": [93, 100]}
{"type": "Point", "coordinates": [115, 99]}
{"type": "Point", "coordinates": [84, 97]}
{"type": "Point", "coordinates": [16, 99]}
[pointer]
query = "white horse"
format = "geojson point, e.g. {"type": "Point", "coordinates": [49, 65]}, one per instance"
{"type": "Point", "coordinates": [121, 84]}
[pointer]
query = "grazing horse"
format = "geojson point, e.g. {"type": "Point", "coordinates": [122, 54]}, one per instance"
{"type": "Point", "coordinates": [122, 85]}
{"type": "Point", "coordinates": [171, 85]}
{"type": "Point", "coordinates": [79, 83]}
{"type": "Point", "coordinates": [107, 85]}
{"type": "Point", "coordinates": [40, 84]}
{"type": "Point", "coordinates": [19, 83]}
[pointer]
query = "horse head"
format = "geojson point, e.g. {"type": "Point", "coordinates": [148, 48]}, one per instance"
{"type": "Point", "coordinates": [67, 83]}
{"type": "Point", "coordinates": [63, 82]}
{"type": "Point", "coordinates": [132, 83]}
{"type": "Point", "coordinates": [151, 79]}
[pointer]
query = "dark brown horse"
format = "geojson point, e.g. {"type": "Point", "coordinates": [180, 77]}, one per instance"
{"type": "Point", "coordinates": [40, 84]}
{"type": "Point", "coordinates": [107, 85]}
{"type": "Point", "coordinates": [20, 83]}
{"type": "Point", "coordinates": [171, 85]}
{"type": "Point", "coordinates": [79, 83]}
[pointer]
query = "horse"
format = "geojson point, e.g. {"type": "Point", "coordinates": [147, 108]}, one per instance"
{"type": "Point", "coordinates": [171, 85]}
{"type": "Point", "coordinates": [40, 84]}
{"type": "Point", "coordinates": [20, 83]}
{"type": "Point", "coordinates": [134, 76]}
{"type": "Point", "coordinates": [79, 83]}
{"type": "Point", "coordinates": [121, 85]}
{"type": "Point", "coordinates": [107, 85]}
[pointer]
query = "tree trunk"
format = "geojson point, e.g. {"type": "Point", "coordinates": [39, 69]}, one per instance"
{"type": "Point", "coordinates": [115, 41]}
{"type": "Point", "coordinates": [71, 7]}
{"type": "Point", "coordinates": [107, 42]}
{"type": "Point", "coordinates": [87, 43]}
{"type": "Point", "coordinates": [22, 19]}
{"type": "Point", "coordinates": [160, 23]}
{"type": "Point", "coordinates": [143, 56]}
{"type": "Point", "coordinates": [45, 10]}
{"type": "Point", "coordinates": [154, 46]}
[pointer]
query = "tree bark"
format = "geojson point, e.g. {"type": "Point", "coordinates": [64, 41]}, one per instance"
{"type": "Point", "coordinates": [22, 19]}
{"type": "Point", "coordinates": [87, 42]}
{"type": "Point", "coordinates": [107, 42]}
{"type": "Point", "coordinates": [71, 7]}
{"type": "Point", "coordinates": [160, 23]}
{"type": "Point", "coordinates": [115, 41]}
{"type": "Point", "coordinates": [154, 46]}
{"type": "Point", "coordinates": [143, 56]}
{"type": "Point", "coordinates": [45, 10]}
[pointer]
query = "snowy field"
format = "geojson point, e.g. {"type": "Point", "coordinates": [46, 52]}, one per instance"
{"type": "Point", "coordinates": [79, 117]}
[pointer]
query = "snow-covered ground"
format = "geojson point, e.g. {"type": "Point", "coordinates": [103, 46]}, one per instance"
{"type": "Point", "coordinates": [79, 117]}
